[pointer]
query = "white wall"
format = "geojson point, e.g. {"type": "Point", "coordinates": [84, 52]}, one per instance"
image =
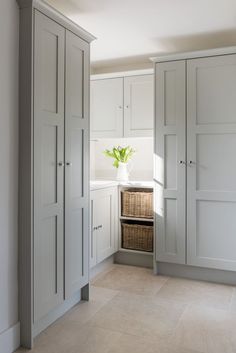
{"type": "Point", "coordinates": [141, 164]}
{"type": "Point", "coordinates": [9, 15]}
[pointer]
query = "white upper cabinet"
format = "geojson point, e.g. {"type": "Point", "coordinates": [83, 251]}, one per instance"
{"type": "Point", "coordinates": [138, 106]}
{"type": "Point", "coordinates": [107, 108]}
{"type": "Point", "coordinates": [122, 106]}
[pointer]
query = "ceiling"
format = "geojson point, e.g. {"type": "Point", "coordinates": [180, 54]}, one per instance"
{"type": "Point", "coordinates": [128, 29]}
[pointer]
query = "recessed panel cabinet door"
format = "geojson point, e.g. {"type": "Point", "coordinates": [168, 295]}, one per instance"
{"type": "Point", "coordinates": [76, 164]}
{"type": "Point", "coordinates": [104, 226]}
{"type": "Point", "coordinates": [138, 106]}
{"type": "Point", "coordinates": [92, 243]}
{"type": "Point", "coordinates": [211, 171]}
{"type": "Point", "coordinates": [105, 222]}
{"type": "Point", "coordinates": [169, 162]}
{"type": "Point", "coordinates": [48, 165]}
{"type": "Point", "coordinates": [107, 108]}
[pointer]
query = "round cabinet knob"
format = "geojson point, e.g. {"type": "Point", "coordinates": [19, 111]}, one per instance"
{"type": "Point", "coordinates": [190, 162]}
{"type": "Point", "coordinates": [181, 162]}
{"type": "Point", "coordinates": [69, 164]}
{"type": "Point", "coordinates": [61, 164]}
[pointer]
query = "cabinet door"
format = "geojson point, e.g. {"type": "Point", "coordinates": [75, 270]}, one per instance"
{"type": "Point", "coordinates": [169, 162]}
{"type": "Point", "coordinates": [107, 108]}
{"type": "Point", "coordinates": [76, 164]}
{"type": "Point", "coordinates": [211, 136]}
{"type": "Point", "coordinates": [105, 222]}
{"type": "Point", "coordinates": [93, 244]}
{"type": "Point", "coordinates": [138, 106]}
{"type": "Point", "coordinates": [48, 164]}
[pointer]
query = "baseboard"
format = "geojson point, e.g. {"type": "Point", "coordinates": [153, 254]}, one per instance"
{"type": "Point", "coordinates": [196, 273]}
{"type": "Point", "coordinates": [134, 259]}
{"type": "Point", "coordinates": [103, 266]}
{"type": "Point", "coordinates": [10, 339]}
{"type": "Point", "coordinates": [55, 314]}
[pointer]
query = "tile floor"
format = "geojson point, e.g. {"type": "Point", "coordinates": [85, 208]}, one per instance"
{"type": "Point", "coordinates": [133, 311]}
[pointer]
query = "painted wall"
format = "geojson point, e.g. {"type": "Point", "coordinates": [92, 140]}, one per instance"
{"type": "Point", "coordinates": [9, 22]}
{"type": "Point", "coordinates": [141, 164]}
{"type": "Point", "coordinates": [124, 65]}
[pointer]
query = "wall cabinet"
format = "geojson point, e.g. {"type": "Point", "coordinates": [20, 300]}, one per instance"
{"type": "Point", "coordinates": [54, 166]}
{"type": "Point", "coordinates": [138, 106]}
{"type": "Point", "coordinates": [122, 106]}
{"type": "Point", "coordinates": [104, 226]}
{"type": "Point", "coordinates": [195, 168]}
{"type": "Point", "coordinates": [107, 108]}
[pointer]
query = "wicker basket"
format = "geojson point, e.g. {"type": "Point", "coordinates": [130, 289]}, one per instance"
{"type": "Point", "coordinates": [137, 203]}
{"type": "Point", "coordinates": [137, 237]}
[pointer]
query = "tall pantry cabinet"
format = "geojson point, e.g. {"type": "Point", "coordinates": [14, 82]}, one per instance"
{"type": "Point", "coordinates": [54, 166]}
{"type": "Point", "coordinates": [195, 165]}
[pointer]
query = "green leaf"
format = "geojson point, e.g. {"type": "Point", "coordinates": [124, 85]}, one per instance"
{"type": "Point", "coordinates": [120, 154]}
{"type": "Point", "coordinates": [116, 163]}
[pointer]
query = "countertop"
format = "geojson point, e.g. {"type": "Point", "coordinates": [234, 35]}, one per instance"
{"type": "Point", "coordinates": [102, 184]}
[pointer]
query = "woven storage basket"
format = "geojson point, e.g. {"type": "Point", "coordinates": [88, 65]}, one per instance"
{"type": "Point", "coordinates": [137, 203]}
{"type": "Point", "coordinates": [137, 237]}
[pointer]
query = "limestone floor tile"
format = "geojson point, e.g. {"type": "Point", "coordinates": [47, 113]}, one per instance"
{"type": "Point", "coordinates": [207, 330]}
{"type": "Point", "coordinates": [132, 311]}
{"type": "Point", "coordinates": [196, 292]}
{"type": "Point", "coordinates": [131, 343]}
{"type": "Point", "coordinates": [74, 339]}
{"type": "Point", "coordinates": [233, 302]}
{"type": "Point", "coordinates": [95, 340]}
{"type": "Point", "coordinates": [131, 279]}
{"type": "Point", "coordinates": [139, 315]}
{"type": "Point", "coordinates": [102, 295]}
{"type": "Point", "coordinates": [84, 311]}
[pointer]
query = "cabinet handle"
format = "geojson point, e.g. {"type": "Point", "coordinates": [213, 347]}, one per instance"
{"type": "Point", "coordinates": [182, 162]}
{"type": "Point", "coordinates": [190, 162]}
{"type": "Point", "coordinates": [69, 164]}
{"type": "Point", "coordinates": [98, 227]}
{"type": "Point", "coordinates": [120, 107]}
{"type": "Point", "coordinates": [127, 106]}
{"type": "Point", "coordinates": [61, 164]}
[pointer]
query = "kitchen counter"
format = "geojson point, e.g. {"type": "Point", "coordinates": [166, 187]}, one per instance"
{"type": "Point", "coordinates": [102, 184]}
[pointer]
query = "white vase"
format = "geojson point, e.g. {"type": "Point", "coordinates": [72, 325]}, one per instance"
{"type": "Point", "coordinates": [122, 172]}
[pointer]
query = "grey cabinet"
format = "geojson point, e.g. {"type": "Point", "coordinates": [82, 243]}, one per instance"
{"type": "Point", "coordinates": [195, 169]}
{"type": "Point", "coordinates": [211, 146]}
{"type": "Point", "coordinates": [48, 169]}
{"type": "Point", "coordinates": [122, 106]}
{"type": "Point", "coordinates": [170, 174]}
{"type": "Point", "coordinates": [54, 166]}
{"type": "Point", "coordinates": [104, 224]}
{"type": "Point", "coordinates": [76, 164]}
{"type": "Point", "coordinates": [107, 108]}
{"type": "Point", "coordinates": [138, 106]}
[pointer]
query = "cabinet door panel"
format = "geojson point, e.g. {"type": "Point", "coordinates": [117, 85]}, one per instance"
{"type": "Point", "coordinates": [105, 217]}
{"type": "Point", "coordinates": [93, 245]}
{"type": "Point", "coordinates": [77, 165]}
{"type": "Point", "coordinates": [211, 137]}
{"type": "Point", "coordinates": [169, 174]}
{"type": "Point", "coordinates": [107, 108]}
{"type": "Point", "coordinates": [48, 174]}
{"type": "Point", "coordinates": [138, 106]}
